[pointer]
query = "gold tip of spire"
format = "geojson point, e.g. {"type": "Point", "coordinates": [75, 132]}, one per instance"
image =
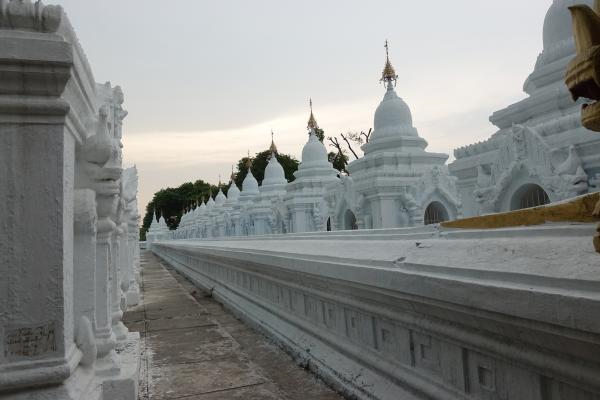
{"type": "Point", "coordinates": [389, 73]}
{"type": "Point", "coordinates": [273, 148]}
{"type": "Point", "coordinates": [248, 161]}
{"type": "Point", "coordinates": [312, 122]}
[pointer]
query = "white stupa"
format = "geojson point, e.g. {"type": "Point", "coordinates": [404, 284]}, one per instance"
{"type": "Point", "coordinates": [387, 179]}
{"type": "Point", "coordinates": [305, 195]}
{"type": "Point", "coordinates": [267, 219]}
{"type": "Point", "coordinates": [523, 163]}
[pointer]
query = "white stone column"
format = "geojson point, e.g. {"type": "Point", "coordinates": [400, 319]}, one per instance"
{"type": "Point", "coordinates": [37, 161]}
{"type": "Point", "coordinates": [84, 265]}
{"type": "Point", "coordinates": [105, 338]}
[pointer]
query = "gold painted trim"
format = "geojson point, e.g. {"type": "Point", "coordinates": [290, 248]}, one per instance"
{"type": "Point", "coordinates": [579, 209]}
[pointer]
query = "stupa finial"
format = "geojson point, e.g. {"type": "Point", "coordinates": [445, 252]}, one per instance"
{"type": "Point", "coordinates": [312, 122]}
{"type": "Point", "coordinates": [248, 161]}
{"type": "Point", "coordinates": [273, 148]}
{"type": "Point", "coordinates": [388, 76]}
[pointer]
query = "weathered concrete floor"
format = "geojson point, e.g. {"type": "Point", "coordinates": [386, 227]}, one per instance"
{"type": "Point", "coordinates": [194, 349]}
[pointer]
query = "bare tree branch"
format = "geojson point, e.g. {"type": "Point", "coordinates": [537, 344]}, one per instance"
{"type": "Point", "coordinates": [367, 135]}
{"type": "Point", "coordinates": [349, 145]}
{"type": "Point", "coordinates": [335, 143]}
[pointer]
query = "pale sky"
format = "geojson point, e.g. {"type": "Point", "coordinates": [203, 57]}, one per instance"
{"type": "Point", "coordinates": [206, 81]}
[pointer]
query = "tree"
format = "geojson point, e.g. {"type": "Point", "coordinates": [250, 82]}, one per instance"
{"type": "Point", "coordinates": [350, 138]}
{"type": "Point", "coordinates": [259, 163]}
{"type": "Point", "coordinates": [320, 134]}
{"type": "Point", "coordinates": [170, 203]}
{"type": "Point", "coordinates": [339, 160]}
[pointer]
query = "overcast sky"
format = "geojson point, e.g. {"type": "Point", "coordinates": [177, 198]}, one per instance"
{"type": "Point", "coordinates": [205, 81]}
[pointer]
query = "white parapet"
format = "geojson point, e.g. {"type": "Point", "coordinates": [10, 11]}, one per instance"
{"type": "Point", "coordinates": [422, 313]}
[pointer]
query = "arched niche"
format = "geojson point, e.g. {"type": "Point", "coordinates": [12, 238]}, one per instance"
{"type": "Point", "coordinates": [527, 196]}
{"type": "Point", "coordinates": [329, 224]}
{"type": "Point", "coordinates": [435, 213]}
{"type": "Point", "coordinates": [350, 221]}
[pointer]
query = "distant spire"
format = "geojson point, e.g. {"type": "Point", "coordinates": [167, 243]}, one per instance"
{"type": "Point", "coordinates": [273, 148]}
{"type": "Point", "coordinates": [219, 180]}
{"type": "Point", "coordinates": [312, 122]}
{"type": "Point", "coordinates": [232, 177]}
{"type": "Point", "coordinates": [389, 73]}
{"type": "Point", "coordinates": [248, 161]}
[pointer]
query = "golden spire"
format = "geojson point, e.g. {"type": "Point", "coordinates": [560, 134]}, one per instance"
{"type": "Point", "coordinates": [389, 73]}
{"type": "Point", "coordinates": [273, 148]}
{"type": "Point", "coordinates": [312, 122]}
{"type": "Point", "coordinates": [248, 161]}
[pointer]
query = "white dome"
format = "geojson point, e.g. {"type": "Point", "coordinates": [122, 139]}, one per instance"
{"type": "Point", "coordinates": [250, 184]}
{"type": "Point", "coordinates": [558, 26]}
{"type": "Point", "coordinates": [210, 203]}
{"type": "Point", "coordinates": [233, 193]}
{"type": "Point", "coordinates": [314, 152]}
{"type": "Point", "coordinates": [220, 199]}
{"type": "Point", "coordinates": [274, 173]}
{"type": "Point", "coordinates": [393, 117]}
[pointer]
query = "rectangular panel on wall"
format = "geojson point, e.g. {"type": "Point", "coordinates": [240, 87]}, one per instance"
{"type": "Point", "coordinates": [330, 315]}
{"type": "Point", "coordinates": [393, 341]}
{"type": "Point", "coordinates": [297, 303]}
{"type": "Point", "coordinates": [439, 358]}
{"type": "Point", "coordinates": [491, 379]}
{"type": "Point", "coordinates": [312, 309]}
{"type": "Point", "coordinates": [562, 391]}
{"type": "Point", "coordinates": [359, 327]}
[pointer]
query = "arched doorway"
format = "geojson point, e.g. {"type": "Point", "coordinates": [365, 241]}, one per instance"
{"type": "Point", "coordinates": [529, 195]}
{"type": "Point", "coordinates": [350, 221]}
{"type": "Point", "coordinates": [435, 213]}
{"type": "Point", "coordinates": [329, 224]}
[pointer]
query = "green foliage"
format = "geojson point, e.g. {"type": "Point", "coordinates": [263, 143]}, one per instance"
{"type": "Point", "coordinates": [339, 160]}
{"type": "Point", "coordinates": [171, 202]}
{"type": "Point", "coordinates": [259, 163]}
{"type": "Point", "coordinates": [320, 134]}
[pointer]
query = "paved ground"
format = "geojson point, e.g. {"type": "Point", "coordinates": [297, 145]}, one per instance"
{"type": "Point", "coordinates": [194, 349]}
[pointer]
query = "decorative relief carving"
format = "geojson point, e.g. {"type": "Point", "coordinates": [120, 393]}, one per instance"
{"type": "Point", "coordinates": [28, 16]}
{"type": "Point", "coordinates": [523, 152]}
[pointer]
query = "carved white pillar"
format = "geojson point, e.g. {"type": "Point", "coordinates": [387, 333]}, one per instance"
{"type": "Point", "coordinates": [37, 157]}
{"type": "Point", "coordinates": [105, 337]}
{"type": "Point", "coordinates": [84, 265]}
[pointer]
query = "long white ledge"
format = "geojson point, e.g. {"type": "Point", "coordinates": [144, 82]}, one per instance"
{"type": "Point", "coordinates": [426, 313]}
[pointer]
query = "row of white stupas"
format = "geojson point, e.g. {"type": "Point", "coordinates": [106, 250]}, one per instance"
{"type": "Point", "coordinates": [541, 154]}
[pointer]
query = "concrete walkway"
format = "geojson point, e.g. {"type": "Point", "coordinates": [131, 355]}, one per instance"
{"type": "Point", "coordinates": [194, 349]}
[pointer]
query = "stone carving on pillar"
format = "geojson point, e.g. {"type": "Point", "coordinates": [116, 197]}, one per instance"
{"type": "Point", "coordinates": [26, 15]}
{"type": "Point", "coordinates": [99, 153]}
{"type": "Point", "coordinates": [583, 72]}
{"type": "Point", "coordinates": [524, 154]}
{"type": "Point", "coordinates": [84, 263]}
{"type": "Point", "coordinates": [130, 189]}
